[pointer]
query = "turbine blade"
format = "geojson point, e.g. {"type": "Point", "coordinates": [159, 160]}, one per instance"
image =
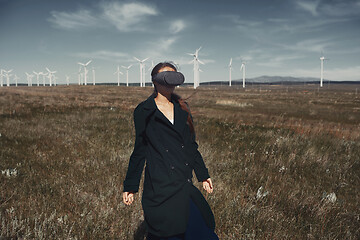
{"type": "Point", "coordinates": [137, 59]}
{"type": "Point", "coordinates": [144, 59]}
{"type": "Point", "coordinates": [88, 62]}
{"type": "Point", "coordinates": [201, 62]}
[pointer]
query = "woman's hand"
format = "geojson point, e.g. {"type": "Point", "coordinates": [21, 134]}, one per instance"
{"type": "Point", "coordinates": [128, 198]}
{"type": "Point", "coordinates": [207, 185]}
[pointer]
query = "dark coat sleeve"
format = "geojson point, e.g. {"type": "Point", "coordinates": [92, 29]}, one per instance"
{"type": "Point", "coordinates": [200, 169]}
{"type": "Point", "coordinates": [137, 158]}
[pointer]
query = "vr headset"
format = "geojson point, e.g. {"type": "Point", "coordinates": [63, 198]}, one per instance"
{"type": "Point", "coordinates": [169, 78]}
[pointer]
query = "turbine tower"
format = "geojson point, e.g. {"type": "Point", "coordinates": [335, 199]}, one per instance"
{"type": "Point", "coordinates": [196, 62]}
{"type": "Point", "coordinates": [127, 74]}
{"type": "Point", "coordinates": [7, 75]}
{"type": "Point", "coordinates": [1, 77]}
{"type": "Point", "coordinates": [16, 78]}
{"type": "Point", "coordinates": [85, 70]}
{"type": "Point", "coordinates": [322, 59]}
{"type": "Point", "coordinates": [67, 80]}
{"type": "Point", "coordinates": [230, 68]}
{"type": "Point", "coordinates": [93, 72]}
{"type": "Point", "coordinates": [118, 74]}
{"type": "Point", "coordinates": [37, 77]}
{"type": "Point", "coordinates": [79, 76]}
{"type": "Point", "coordinates": [44, 75]}
{"type": "Point", "coordinates": [242, 68]}
{"type": "Point", "coordinates": [29, 78]}
{"type": "Point", "coordinates": [150, 69]}
{"type": "Point", "coordinates": [51, 75]}
{"type": "Point", "coordinates": [141, 63]}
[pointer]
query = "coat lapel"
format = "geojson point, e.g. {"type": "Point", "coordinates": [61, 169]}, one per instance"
{"type": "Point", "coordinates": [180, 116]}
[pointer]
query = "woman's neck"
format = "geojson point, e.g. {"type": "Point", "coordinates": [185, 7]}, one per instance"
{"type": "Point", "coordinates": [163, 99]}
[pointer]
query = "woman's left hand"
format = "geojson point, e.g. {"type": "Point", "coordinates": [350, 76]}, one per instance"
{"type": "Point", "coordinates": [207, 185]}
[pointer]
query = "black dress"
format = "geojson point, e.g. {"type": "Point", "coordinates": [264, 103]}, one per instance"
{"type": "Point", "coordinates": [171, 154]}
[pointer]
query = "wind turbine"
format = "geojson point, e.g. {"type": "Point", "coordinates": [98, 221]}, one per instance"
{"type": "Point", "coordinates": [67, 80]}
{"type": "Point", "coordinates": [85, 70]}
{"type": "Point", "coordinates": [118, 74]}
{"type": "Point", "coordinates": [93, 72]}
{"type": "Point", "coordinates": [29, 78]}
{"type": "Point", "coordinates": [150, 69]}
{"type": "Point", "coordinates": [322, 59]}
{"type": "Point", "coordinates": [230, 68]}
{"type": "Point", "coordinates": [1, 77]}
{"type": "Point", "coordinates": [196, 62]}
{"type": "Point", "coordinates": [127, 74]}
{"type": "Point", "coordinates": [37, 77]}
{"type": "Point", "coordinates": [7, 75]}
{"type": "Point", "coordinates": [242, 68]}
{"type": "Point", "coordinates": [55, 78]}
{"type": "Point", "coordinates": [16, 78]}
{"type": "Point", "coordinates": [51, 75]}
{"type": "Point", "coordinates": [80, 76]}
{"type": "Point", "coordinates": [141, 62]}
{"type": "Point", "coordinates": [44, 75]}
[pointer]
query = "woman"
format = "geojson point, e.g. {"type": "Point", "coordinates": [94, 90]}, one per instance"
{"type": "Point", "coordinates": [173, 207]}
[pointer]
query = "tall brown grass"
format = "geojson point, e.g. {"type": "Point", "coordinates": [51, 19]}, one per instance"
{"type": "Point", "coordinates": [284, 161]}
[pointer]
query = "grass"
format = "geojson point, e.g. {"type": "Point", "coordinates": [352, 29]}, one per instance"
{"type": "Point", "coordinates": [275, 155]}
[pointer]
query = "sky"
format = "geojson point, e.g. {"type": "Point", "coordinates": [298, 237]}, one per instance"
{"type": "Point", "coordinates": [273, 38]}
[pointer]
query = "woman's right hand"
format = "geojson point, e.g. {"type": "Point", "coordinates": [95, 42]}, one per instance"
{"type": "Point", "coordinates": [128, 197]}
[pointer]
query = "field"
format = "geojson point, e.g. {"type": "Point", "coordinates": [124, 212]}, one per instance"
{"type": "Point", "coordinates": [285, 161]}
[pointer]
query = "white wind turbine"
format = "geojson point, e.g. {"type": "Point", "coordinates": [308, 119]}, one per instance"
{"type": "Point", "coordinates": [141, 63]}
{"type": "Point", "coordinates": [118, 74]}
{"type": "Point", "coordinates": [242, 68]}
{"type": "Point", "coordinates": [93, 73]}
{"type": "Point", "coordinates": [50, 76]}
{"type": "Point", "coordinates": [322, 59]}
{"type": "Point", "coordinates": [67, 80]}
{"type": "Point", "coordinates": [29, 78]}
{"type": "Point", "coordinates": [2, 77]}
{"type": "Point", "coordinates": [230, 69]}
{"type": "Point", "coordinates": [44, 75]}
{"type": "Point", "coordinates": [80, 76]}
{"type": "Point", "coordinates": [127, 74]}
{"type": "Point", "coordinates": [196, 62]}
{"type": "Point", "coordinates": [7, 75]}
{"type": "Point", "coordinates": [150, 69]}
{"type": "Point", "coordinates": [85, 70]}
{"type": "Point", "coordinates": [16, 78]}
{"type": "Point", "coordinates": [37, 77]}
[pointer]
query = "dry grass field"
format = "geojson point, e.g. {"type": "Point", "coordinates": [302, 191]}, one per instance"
{"type": "Point", "coordinates": [285, 161]}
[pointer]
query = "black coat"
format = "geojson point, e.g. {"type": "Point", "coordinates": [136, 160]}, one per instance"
{"type": "Point", "coordinates": [171, 153]}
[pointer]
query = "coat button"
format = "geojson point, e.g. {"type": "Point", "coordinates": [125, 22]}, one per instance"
{"type": "Point", "coordinates": [182, 146]}
{"type": "Point", "coordinates": [172, 167]}
{"type": "Point", "coordinates": [189, 180]}
{"type": "Point", "coordinates": [186, 164]}
{"type": "Point", "coordinates": [166, 150]}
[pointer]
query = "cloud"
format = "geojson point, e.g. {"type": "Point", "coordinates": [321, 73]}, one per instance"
{"type": "Point", "coordinates": [76, 20]}
{"type": "Point", "coordinates": [157, 49]}
{"type": "Point", "coordinates": [177, 26]}
{"type": "Point", "coordinates": [309, 45]}
{"type": "Point", "coordinates": [309, 6]}
{"type": "Point", "coordinates": [128, 16]}
{"type": "Point", "coordinates": [102, 55]}
{"type": "Point", "coordinates": [125, 17]}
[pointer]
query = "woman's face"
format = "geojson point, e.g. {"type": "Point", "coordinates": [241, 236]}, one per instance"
{"type": "Point", "coordinates": [165, 89]}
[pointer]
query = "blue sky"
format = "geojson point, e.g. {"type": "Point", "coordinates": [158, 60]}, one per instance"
{"type": "Point", "coordinates": [277, 38]}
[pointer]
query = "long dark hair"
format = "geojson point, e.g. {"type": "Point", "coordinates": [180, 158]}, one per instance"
{"type": "Point", "coordinates": [183, 104]}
